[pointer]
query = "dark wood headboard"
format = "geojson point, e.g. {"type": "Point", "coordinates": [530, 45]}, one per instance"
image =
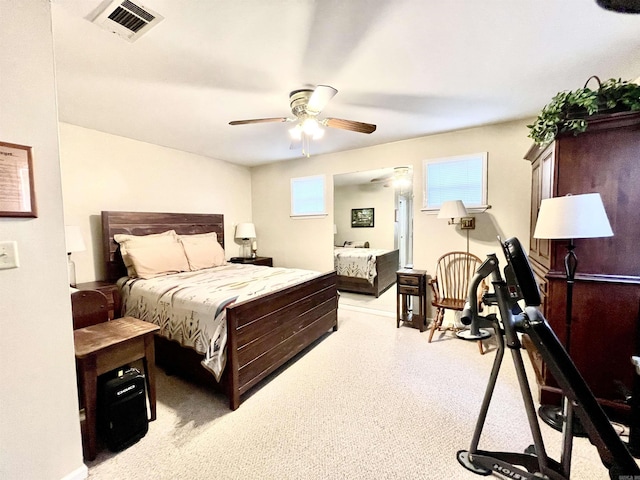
{"type": "Point", "coordinates": [145, 223]}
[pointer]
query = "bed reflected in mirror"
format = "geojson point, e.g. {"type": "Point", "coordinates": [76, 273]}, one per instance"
{"type": "Point", "coordinates": [372, 235]}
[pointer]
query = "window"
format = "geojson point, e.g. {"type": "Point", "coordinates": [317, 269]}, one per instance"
{"type": "Point", "coordinates": [308, 196]}
{"type": "Point", "coordinates": [456, 178]}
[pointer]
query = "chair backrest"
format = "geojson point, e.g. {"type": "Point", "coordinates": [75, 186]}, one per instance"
{"type": "Point", "coordinates": [89, 307]}
{"type": "Point", "coordinates": [454, 271]}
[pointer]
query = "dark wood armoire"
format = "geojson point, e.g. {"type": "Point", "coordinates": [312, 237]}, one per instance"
{"type": "Point", "coordinates": [606, 300]}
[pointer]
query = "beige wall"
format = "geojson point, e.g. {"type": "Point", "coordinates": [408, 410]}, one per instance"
{"type": "Point", "coordinates": [307, 243]}
{"type": "Point", "coordinates": [39, 427]}
{"type": "Point", "coordinates": [108, 172]}
{"type": "Point", "coordinates": [381, 199]}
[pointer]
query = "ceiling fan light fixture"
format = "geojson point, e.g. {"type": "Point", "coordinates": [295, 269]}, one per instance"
{"type": "Point", "coordinates": [319, 133]}
{"type": "Point", "coordinates": [401, 178]}
{"type": "Point", "coordinates": [310, 126]}
{"type": "Point", "coordinates": [296, 132]}
{"type": "Point", "coordinates": [306, 104]}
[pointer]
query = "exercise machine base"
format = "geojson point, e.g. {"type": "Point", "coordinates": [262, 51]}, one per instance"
{"type": "Point", "coordinates": [552, 416]}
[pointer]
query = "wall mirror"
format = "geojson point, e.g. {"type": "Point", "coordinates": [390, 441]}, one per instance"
{"type": "Point", "coordinates": [389, 191]}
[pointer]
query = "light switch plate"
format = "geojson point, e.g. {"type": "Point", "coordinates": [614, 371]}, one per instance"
{"type": "Point", "coordinates": [9, 255]}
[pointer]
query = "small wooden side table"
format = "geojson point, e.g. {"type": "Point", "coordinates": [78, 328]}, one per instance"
{"type": "Point", "coordinates": [411, 283]}
{"type": "Point", "coordinates": [104, 347]}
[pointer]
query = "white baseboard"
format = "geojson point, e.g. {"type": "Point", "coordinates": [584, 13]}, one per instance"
{"type": "Point", "coordinates": [80, 473]}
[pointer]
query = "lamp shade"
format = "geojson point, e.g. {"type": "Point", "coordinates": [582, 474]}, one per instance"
{"type": "Point", "coordinates": [245, 230]}
{"type": "Point", "coordinates": [73, 239]}
{"type": "Point", "coordinates": [452, 209]}
{"type": "Point", "coordinates": [573, 216]}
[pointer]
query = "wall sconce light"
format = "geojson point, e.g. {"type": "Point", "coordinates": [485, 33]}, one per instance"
{"type": "Point", "coordinates": [468, 223]}
{"type": "Point", "coordinates": [453, 209]}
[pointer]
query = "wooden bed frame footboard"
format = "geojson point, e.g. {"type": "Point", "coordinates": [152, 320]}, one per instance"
{"type": "Point", "coordinates": [262, 334]}
{"type": "Point", "coordinates": [386, 267]}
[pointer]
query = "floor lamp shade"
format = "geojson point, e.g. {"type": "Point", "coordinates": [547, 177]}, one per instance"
{"type": "Point", "coordinates": [573, 216]}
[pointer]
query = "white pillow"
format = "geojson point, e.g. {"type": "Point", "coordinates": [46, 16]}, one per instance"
{"type": "Point", "coordinates": [356, 244]}
{"type": "Point", "coordinates": [127, 241]}
{"type": "Point", "coordinates": [159, 259]}
{"type": "Point", "coordinates": [203, 250]}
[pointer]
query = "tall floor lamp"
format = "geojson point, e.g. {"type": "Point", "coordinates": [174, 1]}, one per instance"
{"type": "Point", "coordinates": [569, 217]}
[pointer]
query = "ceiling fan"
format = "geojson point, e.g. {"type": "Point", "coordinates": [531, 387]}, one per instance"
{"type": "Point", "coordinates": [306, 104]}
{"type": "Point", "coordinates": [399, 178]}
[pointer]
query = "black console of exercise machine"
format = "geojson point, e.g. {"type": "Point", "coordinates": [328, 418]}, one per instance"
{"type": "Point", "coordinates": [534, 463]}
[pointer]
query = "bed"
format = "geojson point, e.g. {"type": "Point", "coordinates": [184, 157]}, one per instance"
{"type": "Point", "coordinates": [365, 270]}
{"type": "Point", "coordinates": [262, 333]}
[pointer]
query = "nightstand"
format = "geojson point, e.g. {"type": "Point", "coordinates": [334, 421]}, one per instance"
{"type": "Point", "coordinates": [411, 283]}
{"type": "Point", "coordinates": [265, 261]}
{"type": "Point", "coordinates": [110, 290]}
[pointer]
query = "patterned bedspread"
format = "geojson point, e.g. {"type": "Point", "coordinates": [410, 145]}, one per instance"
{"type": "Point", "coordinates": [356, 262]}
{"type": "Point", "coordinates": [190, 307]}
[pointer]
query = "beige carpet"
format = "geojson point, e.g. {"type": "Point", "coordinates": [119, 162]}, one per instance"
{"type": "Point", "coordinates": [368, 402]}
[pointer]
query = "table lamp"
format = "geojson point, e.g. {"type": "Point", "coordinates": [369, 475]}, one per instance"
{"type": "Point", "coordinates": [74, 243]}
{"type": "Point", "coordinates": [245, 232]}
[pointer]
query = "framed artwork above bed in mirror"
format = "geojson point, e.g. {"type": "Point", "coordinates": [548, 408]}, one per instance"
{"type": "Point", "coordinates": [362, 217]}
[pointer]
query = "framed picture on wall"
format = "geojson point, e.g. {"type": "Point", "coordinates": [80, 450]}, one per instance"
{"type": "Point", "coordinates": [17, 196]}
{"type": "Point", "coordinates": [362, 217]}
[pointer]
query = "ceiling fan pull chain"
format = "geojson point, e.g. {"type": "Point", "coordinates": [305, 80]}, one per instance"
{"type": "Point", "coordinates": [306, 145]}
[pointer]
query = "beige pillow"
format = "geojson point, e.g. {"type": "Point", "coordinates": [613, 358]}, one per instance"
{"type": "Point", "coordinates": [127, 241]}
{"type": "Point", "coordinates": [160, 259]}
{"type": "Point", "coordinates": [203, 250]}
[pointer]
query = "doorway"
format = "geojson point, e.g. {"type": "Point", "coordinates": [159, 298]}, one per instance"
{"type": "Point", "coordinates": [404, 228]}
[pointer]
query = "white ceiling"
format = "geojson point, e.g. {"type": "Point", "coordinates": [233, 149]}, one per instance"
{"type": "Point", "coordinates": [412, 67]}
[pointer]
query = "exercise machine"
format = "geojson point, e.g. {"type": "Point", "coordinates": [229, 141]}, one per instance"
{"type": "Point", "coordinates": [534, 463]}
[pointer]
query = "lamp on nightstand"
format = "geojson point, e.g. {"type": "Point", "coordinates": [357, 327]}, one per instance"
{"type": "Point", "coordinates": [74, 243]}
{"type": "Point", "coordinates": [245, 232]}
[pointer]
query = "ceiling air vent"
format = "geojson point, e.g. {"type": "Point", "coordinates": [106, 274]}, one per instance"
{"type": "Point", "coordinates": [127, 19]}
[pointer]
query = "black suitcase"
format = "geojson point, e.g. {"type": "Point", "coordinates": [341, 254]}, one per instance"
{"type": "Point", "coordinates": [122, 410]}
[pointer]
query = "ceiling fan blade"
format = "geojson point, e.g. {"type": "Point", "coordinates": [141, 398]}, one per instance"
{"type": "Point", "coordinates": [359, 127]}
{"type": "Point", "coordinates": [381, 179]}
{"type": "Point", "coordinates": [258, 120]}
{"type": "Point", "coordinates": [320, 97]}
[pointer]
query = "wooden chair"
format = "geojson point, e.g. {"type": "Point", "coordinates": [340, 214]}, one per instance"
{"type": "Point", "coordinates": [450, 285]}
{"type": "Point", "coordinates": [89, 307]}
